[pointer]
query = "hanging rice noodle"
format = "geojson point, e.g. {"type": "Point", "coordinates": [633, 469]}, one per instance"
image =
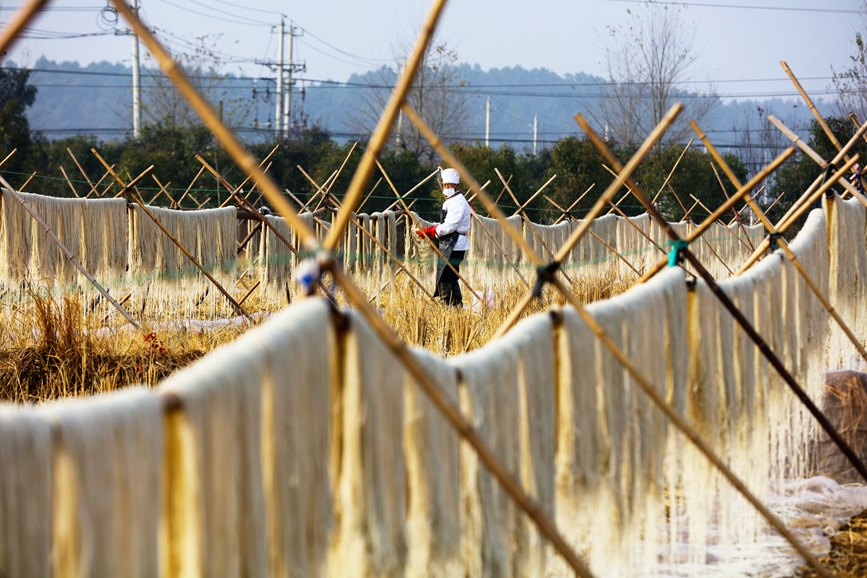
{"type": "Point", "coordinates": [371, 483]}
{"type": "Point", "coordinates": [26, 482]}
{"type": "Point", "coordinates": [214, 514]}
{"type": "Point", "coordinates": [848, 278]}
{"type": "Point", "coordinates": [93, 230]}
{"type": "Point", "coordinates": [106, 484]}
{"type": "Point", "coordinates": [489, 398]}
{"type": "Point", "coordinates": [433, 530]}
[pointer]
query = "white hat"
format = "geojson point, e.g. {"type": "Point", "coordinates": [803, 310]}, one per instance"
{"type": "Point", "coordinates": [451, 176]}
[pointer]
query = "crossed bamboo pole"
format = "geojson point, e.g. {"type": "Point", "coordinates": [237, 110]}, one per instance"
{"type": "Point", "coordinates": [739, 317]}
{"type": "Point", "coordinates": [354, 221]}
{"type": "Point", "coordinates": [807, 150]}
{"type": "Point", "coordinates": [599, 332]}
{"type": "Point", "coordinates": [735, 212]}
{"type": "Point", "coordinates": [800, 206]}
{"type": "Point", "coordinates": [427, 239]}
{"type": "Point", "coordinates": [245, 161]}
{"type": "Point", "coordinates": [783, 244]}
{"type": "Point", "coordinates": [138, 201]}
{"type": "Point", "coordinates": [67, 253]}
{"type": "Point", "coordinates": [568, 212]}
{"type": "Point", "coordinates": [603, 241]}
{"type": "Point", "coordinates": [245, 204]}
{"type": "Point", "coordinates": [755, 337]}
{"type": "Point", "coordinates": [722, 209]}
{"type": "Point", "coordinates": [825, 128]}
{"type": "Point", "coordinates": [526, 219]}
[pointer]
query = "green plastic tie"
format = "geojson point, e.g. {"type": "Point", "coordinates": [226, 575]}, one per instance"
{"type": "Point", "coordinates": [675, 252]}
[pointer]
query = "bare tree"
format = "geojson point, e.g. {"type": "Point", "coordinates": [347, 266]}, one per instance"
{"type": "Point", "coordinates": [436, 94]}
{"type": "Point", "coordinates": [851, 84]}
{"type": "Point", "coordinates": [163, 105]}
{"type": "Point", "coordinates": [647, 57]}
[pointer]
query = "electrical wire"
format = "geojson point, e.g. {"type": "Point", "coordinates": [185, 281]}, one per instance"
{"type": "Point", "coordinates": [248, 22]}
{"type": "Point", "coordinates": [742, 6]}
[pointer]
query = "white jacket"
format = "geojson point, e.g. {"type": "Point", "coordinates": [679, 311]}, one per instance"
{"type": "Point", "coordinates": [459, 217]}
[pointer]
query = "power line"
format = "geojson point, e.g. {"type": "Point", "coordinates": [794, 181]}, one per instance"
{"type": "Point", "coordinates": [245, 22]}
{"type": "Point", "coordinates": [743, 6]}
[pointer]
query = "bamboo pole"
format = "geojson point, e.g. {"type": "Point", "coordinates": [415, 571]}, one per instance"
{"type": "Point", "coordinates": [190, 186]}
{"type": "Point", "coordinates": [69, 182]}
{"type": "Point", "coordinates": [248, 177]}
{"type": "Point", "coordinates": [389, 115]}
{"type": "Point", "coordinates": [687, 216]}
{"type": "Point", "coordinates": [249, 236]}
{"type": "Point", "coordinates": [585, 225]}
{"type": "Point", "coordinates": [137, 200]}
{"type": "Point", "coordinates": [246, 204]}
{"type": "Point", "coordinates": [739, 317]}
{"type": "Point", "coordinates": [821, 178]}
{"type": "Point", "coordinates": [671, 172]}
{"type": "Point", "coordinates": [529, 221]}
{"type": "Point", "coordinates": [429, 387]}
{"type": "Point", "coordinates": [366, 198]}
{"type": "Point", "coordinates": [777, 200]}
{"type": "Point", "coordinates": [83, 174]}
{"type": "Point", "coordinates": [750, 185]}
{"type": "Point", "coordinates": [67, 253]}
{"type": "Point", "coordinates": [812, 107]}
{"type": "Point", "coordinates": [568, 212]}
{"type": "Point", "coordinates": [19, 21]}
{"type": "Point", "coordinates": [27, 182]}
{"type": "Point", "coordinates": [337, 175]}
{"type": "Point", "coordinates": [354, 220]}
{"type": "Point", "coordinates": [164, 190]}
{"type": "Point", "coordinates": [488, 182]}
{"type": "Point", "coordinates": [784, 245]}
{"type": "Point", "coordinates": [250, 292]}
{"type": "Point", "coordinates": [426, 238]}
{"type": "Point", "coordinates": [533, 196]}
{"type": "Point", "coordinates": [9, 156]}
{"type": "Point", "coordinates": [412, 190]}
{"type": "Point", "coordinates": [815, 156]}
{"type": "Point", "coordinates": [736, 213]}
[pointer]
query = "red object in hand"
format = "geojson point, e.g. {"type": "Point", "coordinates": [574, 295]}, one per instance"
{"type": "Point", "coordinates": [427, 232]}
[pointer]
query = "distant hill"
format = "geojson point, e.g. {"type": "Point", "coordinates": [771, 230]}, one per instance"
{"type": "Point", "coordinates": [96, 99]}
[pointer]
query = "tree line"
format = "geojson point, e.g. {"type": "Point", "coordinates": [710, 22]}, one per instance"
{"type": "Point", "coordinates": [574, 162]}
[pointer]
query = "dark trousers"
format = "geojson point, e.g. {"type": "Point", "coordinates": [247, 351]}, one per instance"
{"type": "Point", "coordinates": [448, 287]}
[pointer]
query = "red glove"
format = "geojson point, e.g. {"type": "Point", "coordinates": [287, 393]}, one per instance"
{"type": "Point", "coordinates": [430, 232]}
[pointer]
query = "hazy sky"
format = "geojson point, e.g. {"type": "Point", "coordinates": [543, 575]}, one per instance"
{"type": "Point", "coordinates": [739, 43]}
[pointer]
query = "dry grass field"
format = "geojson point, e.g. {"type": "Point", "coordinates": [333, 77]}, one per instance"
{"type": "Point", "coordinates": [58, 347]}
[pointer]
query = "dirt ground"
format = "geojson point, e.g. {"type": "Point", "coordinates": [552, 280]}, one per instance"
{"type": "Point", "coordinates": [848, 556]}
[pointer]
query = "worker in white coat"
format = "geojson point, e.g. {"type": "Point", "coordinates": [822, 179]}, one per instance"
{"type": "Point", "coordinates": [451, 238]}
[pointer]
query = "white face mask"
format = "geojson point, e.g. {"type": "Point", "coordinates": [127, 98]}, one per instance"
{"type": "Point", "coordinates": [449, 192]}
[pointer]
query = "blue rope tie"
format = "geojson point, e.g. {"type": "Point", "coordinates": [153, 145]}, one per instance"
{"type": "Point", "coordinates": [675, 252]}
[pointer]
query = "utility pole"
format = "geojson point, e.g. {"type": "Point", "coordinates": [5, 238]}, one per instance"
{"type": "Point", "coordinates": [281, 66]}
{"type": "Point", "coordinates": [285, 82]}
{"type": "Point", "coordinates": [488, 123]}
{"type": "Point", "coordinates": [136, 80]}
{"type": "Point", "coordinates": [291, 68]}
{"type": "Point", "coordinates": [535, 132]}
